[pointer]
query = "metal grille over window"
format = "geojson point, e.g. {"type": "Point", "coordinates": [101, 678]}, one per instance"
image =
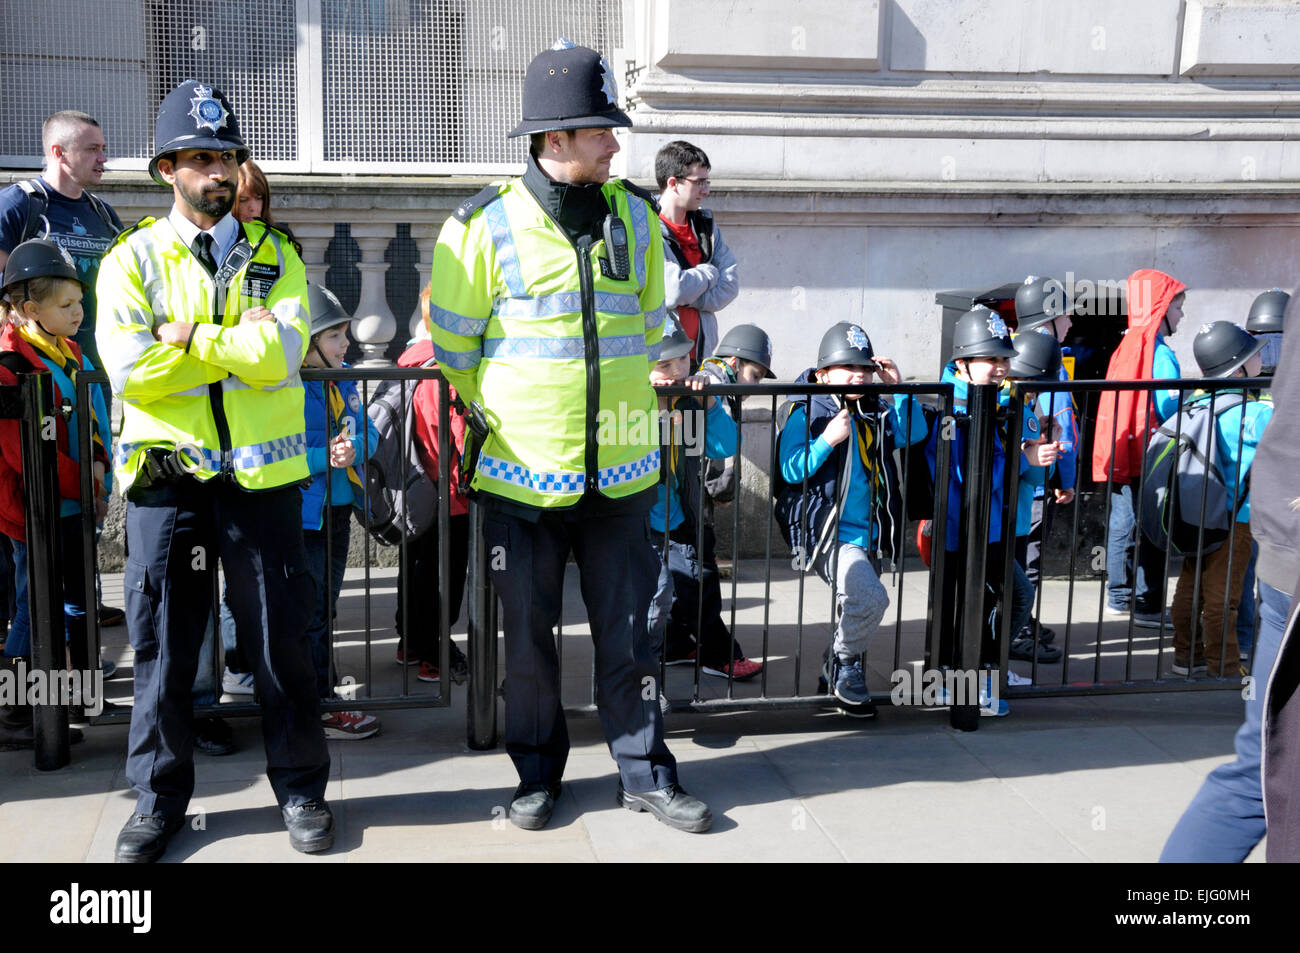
{"type": "Point", "coordinates": [438, 81]}
{"type": "Point", "coordinates": [319, 85]}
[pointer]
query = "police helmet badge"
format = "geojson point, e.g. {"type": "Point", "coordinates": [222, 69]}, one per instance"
{"type": "Point", "coordinates": [1206, 328]}
{"type": "Point", "coordinates": [998, 327]}
{"type": "Point", "coordinates": [608, 85]}
{"type": "Point", "coordinates": [857, 338]}
{"type": "Point", "coordinates": [670, 326]}
{"type": "Point", "coordinates": [563, 43]}
{"type": "Point", "coordinates": [67, 258]}
{"type": "Point", "coordinates": [207, 110]}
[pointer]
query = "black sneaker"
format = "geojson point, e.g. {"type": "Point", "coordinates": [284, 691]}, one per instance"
{"type": "Point", "coordinates": [110, 616]}
{"type": "Point", "coordinates": [459, 665]}
{"type": "Point", "coordinates": [144, 838]}
{"type": "Point", "coordinates": [213, 737]}
{"type": "Point", "coordinates": [1045, 633]}
{"type": "Point", "coordinates": [1022, 648]}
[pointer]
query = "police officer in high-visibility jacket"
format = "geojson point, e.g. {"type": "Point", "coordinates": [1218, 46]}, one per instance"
{"type": "Point", "coordinates": [547, 310]}
{"type": "Point", "coordinates": [202, 329]}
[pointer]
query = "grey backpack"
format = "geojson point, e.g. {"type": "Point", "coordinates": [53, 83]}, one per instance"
{"type": "Point", "coordinates": [1181, 479]}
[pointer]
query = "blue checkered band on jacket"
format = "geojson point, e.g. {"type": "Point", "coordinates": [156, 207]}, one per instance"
{"type": "Point", "coordinates": [456, 323]}
{"type": "Point", "coordinates": [460, 360]}
{"type": "Point", "coordinates": [653, 352]}
{"type": "Point", "coordinates": [504, 241]}
{"type": "Point", "coordinates": [541, 482]}
{"type": "Point", "coordinates": [269, 452]}
{"type": "Point", "coordinates": [563, 348]}
{"type": "Point", "coordinates": [628, 472]}
{"type": "Point", "coordinates": [641, 229]}
{"type": "Point", "coordinates": [655, 319]}
{"type": "Point", "coordinates": [211, 459]}
{"type": "Point", "coordinates": [564, 302]}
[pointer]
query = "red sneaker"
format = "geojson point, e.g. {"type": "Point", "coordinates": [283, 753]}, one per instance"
{"type": "Point", "coordinates": [742, 669]}
{"type": "Point", "coordinates": [403, 660]}
{"type": "Point", "coordinates": [428, 672]}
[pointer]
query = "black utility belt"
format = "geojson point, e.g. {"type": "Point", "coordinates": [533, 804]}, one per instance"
{"type": "Point", "coordinates": [162, 467]}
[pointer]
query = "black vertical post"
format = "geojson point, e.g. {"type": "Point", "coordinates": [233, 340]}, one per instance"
{"type": "Point", "coordinates": [44, 565]}
{"type": "Point", "coordinates": [481, 699]}
{"type": "Point", "coordinates": [977, 494]}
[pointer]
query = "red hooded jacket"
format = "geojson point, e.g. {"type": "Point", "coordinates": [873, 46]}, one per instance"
{"type": "Point", "coordinates": [13, 521]}
{"type": "Point", "coordinates": [1127, 413]}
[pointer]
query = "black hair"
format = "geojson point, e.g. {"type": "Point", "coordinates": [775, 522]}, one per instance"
{"type": "Point", "coordinates": [674, 161]}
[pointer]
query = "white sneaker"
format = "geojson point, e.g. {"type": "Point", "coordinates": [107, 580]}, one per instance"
{"type": "Point", "coordinates": [237, 684]}
{"type": "Point", "coordinates": [349, 725]}
{"type": "Point", "coordinates": [1015, 679]}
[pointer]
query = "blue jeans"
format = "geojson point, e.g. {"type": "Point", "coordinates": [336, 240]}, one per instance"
{"type": "Point", "coordinates": [338, 520]}
{"type": "Point", "coordinates": [18, 643]}
{"type": "Point", "coordinates": [1132, 580]}
{"type": "Point", "coordinates": [1225, 820]}
{"type": "Point", "coordinates": [1246, 608]}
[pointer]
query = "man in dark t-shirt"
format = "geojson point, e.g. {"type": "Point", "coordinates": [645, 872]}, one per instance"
{"type": "Point", "coordinates": [75, 152]}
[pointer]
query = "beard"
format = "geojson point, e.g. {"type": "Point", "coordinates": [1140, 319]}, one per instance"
{"type": "Point", "coordinates": [214, 206]}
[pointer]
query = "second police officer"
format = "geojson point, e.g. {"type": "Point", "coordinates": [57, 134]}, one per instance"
{"type": "Point", "coordinates": [203, 326]}
{"type": "Point", "coordinates": [547, 310]}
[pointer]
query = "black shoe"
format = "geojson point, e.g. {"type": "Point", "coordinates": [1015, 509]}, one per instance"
{"type": "Point", "coordinates": [110, 616]}
{"type": "Point", "coordinates": [213, 737]}
{"type": "Point", "coordinates": [1023, 648]}
{"type": "Point", "coordinates": [16, 730]}
{"type": "Point", "coordinates": [144, 838]}
{"type": "Point", "coordinates": [532, 805]}
{"type": "Point", "coordinates": [1045, 634]}
{"type": "Point", "coordinates": [311, 826]}
{"type": "Point", "coordinates": [459, 665]}
{"type": "Point", "coordinates": [672, 805]}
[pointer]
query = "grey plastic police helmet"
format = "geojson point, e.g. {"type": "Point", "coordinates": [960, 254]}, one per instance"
{"type": "Point", "coordinates": [845, 344]}
{"type": "Point", "coordinates": [1267, 312]}
{"type": "Point", "coordinates": [326, 312]}
{"type": "Point", "coordinates": [1222, 347]}
{"type": "Point", "coordinates": [748, 342]}
{"type": "Point", "coordinates": [195, 115]}
{"type": "Point", "coordinates": [981, 332]}
{"type": "Point", "coordinates": [1040, 300]}
{"type": "Point", "coordinates": [569, 87]}
{"type": "Point", "coordinates": [39, 258]}
{"type": "Point", "coordinates": [1038, 357]}
{"type": "Point", "coordinates": [676, 342]}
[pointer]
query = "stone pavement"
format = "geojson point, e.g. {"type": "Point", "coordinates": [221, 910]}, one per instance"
{"type": "Point", "coordinates": [1060, 779]}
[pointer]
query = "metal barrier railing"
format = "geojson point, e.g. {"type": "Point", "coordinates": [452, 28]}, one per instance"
{"type": "Point", "coordinates": [784, 682]}
{"type": "Point", "coordinates": [1137, 674]}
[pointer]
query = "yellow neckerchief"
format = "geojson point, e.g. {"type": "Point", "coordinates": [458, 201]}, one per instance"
{"type": "Point", "coordinates": [336, 418]}
{"type": "Point", "coordinates": [59, 351]}
{"type": "Point", "coordinates": [865, 439]}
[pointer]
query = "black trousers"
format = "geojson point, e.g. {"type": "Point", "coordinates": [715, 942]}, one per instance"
{"type": "Point", "coordinates": [418, 586]}
{"type": "Point", "coordinates": [619, 570]}
{"type": "Point", "coordinates": [177, 533]}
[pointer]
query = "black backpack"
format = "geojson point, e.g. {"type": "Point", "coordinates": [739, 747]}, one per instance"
{"type": "Point", "coordinates": [38, 202]}
{"type": "Point", "coordinates": [403, 498]}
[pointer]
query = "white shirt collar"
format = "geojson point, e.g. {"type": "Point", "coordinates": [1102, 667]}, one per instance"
{"type": "Point", "coordinates": [224, 234]}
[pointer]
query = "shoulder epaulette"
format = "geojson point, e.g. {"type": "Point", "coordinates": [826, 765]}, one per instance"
{"type": "Point", "coordinates": [636, 190]}
{"type": "Point", "coordinates": [131, 229]}
{"type": "Point", "coordinates": [466, 209]}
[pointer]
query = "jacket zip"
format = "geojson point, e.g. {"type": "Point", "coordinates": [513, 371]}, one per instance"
{"type": "Point", "coordinates": [215, 392]}
{"type": "Point", "coordinates": [591, 350]}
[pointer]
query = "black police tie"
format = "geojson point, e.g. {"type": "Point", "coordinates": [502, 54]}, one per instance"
{"type": "Point", "coordinates": [203, 251]}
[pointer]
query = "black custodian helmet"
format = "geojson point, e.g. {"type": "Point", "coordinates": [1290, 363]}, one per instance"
{"type": "Point", "coordinates": [1267, 311]}
{"type": "Point", "coordinates": [981, 332]}
{"type": "Point", "coordinates": [569, 87]}
{"type": "Point", "coordinates": [195, 116]}
{"type": "Point", "coordinates": [847, 344]}
{"type": "Point", "coordinates": [1040, 300]}
{"type": "Point", "coordinates": [39, 258]}
{"type": "Point", "coordinates": [1038, 357]}
{"type": "Point", "coordinates": [1222, 347]}
{"type": "Point", "coordinates": [748, 342]}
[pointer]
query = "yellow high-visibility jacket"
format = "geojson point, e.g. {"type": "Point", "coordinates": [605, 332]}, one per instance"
{"type": "Point", "coordinates": [234, 402]}
{"type": "Point", "coordinates": [557, 352]}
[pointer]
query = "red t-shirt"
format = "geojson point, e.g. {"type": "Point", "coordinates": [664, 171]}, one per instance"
{"type": "Point", "coordinates": [688, 317]}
